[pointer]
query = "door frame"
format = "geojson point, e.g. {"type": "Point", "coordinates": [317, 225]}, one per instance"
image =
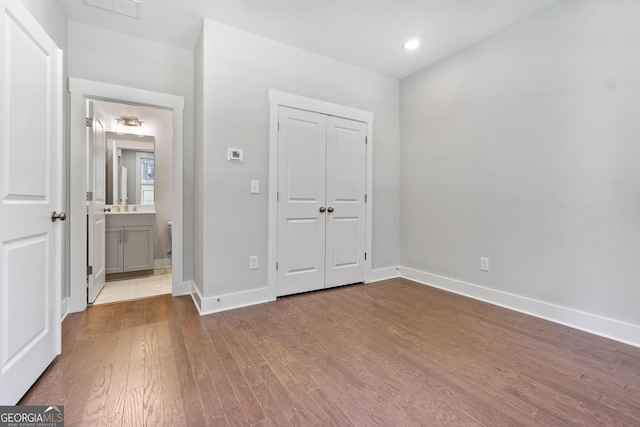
{"type": "Point", "coordinates": [81, 90]}
{"type": "Point", "coordinates": [279, 99]}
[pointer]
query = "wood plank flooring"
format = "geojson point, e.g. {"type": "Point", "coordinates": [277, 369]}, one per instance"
{"type": "Point", "coordinates": [388, 353]}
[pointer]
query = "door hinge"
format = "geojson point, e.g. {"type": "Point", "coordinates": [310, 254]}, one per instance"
{"type": "Point", "coordinates": [89, 196]}
{"type": "Point", "coordinates": [89, 122]}
{"type": "Point", "coordinates": [89, 270]}
{"type": "Point", "coordinates": [365, 198]}
{"type": "Point", "coordinates": [366, 140]}
{"type": "Point", "coordinates": [276, 266]}
{"type": "Point", "coordinates": [278, 125]}
{"type": "Point", "coordinates": [365, 256]}
{"type": "Point", "coordinates": [277, 196]}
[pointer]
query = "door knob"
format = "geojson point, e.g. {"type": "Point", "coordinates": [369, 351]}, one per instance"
{"type": "Point", "coordinates": [329, 209]}
{"type": "Point", "coordinates": [322, 209]}
{"type": "Point", "coordinates": [61, 216]}
{"type": "Point", "coordinates": [107, 209]}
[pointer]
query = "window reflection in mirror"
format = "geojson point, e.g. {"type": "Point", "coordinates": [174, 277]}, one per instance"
{"type": "Point", "coordinates": [145, 162]}
{"type": "Point", "coordinates": [130, 169]}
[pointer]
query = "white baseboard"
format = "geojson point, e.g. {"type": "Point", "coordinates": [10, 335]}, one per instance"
{"type": "Point", "coordinates": [196, 296]}
{"type": "Point", "coordinates": [380, 274]}
{"type": "Point", "coordinates": [219, 303]}
{"type": "Point", "coordinates": [162, 263]}
{"type": "Point", "coordinates": [609, 328]}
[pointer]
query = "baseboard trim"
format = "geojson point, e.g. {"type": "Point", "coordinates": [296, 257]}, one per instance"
{"type": "Point", "coordinates": [226, 302]}
{"type": "Point", "coordinates": [196, 297]}
{"type": "Point", "coordinates": [386, 273]}
{"type": "Point", "coordinates": [605, 327]}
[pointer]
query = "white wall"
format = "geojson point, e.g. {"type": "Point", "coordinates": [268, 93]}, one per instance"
{"type": "Point", "coordinates": [239, 69]}
{"type": "Point", "coordinates": [108, 57]}
{"type": "Point", "coordinates": [524, 149]}
{"type": "Point", "coordinates": [51, 17]}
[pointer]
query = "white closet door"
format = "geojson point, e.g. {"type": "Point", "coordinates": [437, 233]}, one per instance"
{"type": "Point", "coordinates": [321, 205]}
{"type": "Point", "coordinates": [301, 188]}
{"type": "Point", "coordinates": [346, 208]}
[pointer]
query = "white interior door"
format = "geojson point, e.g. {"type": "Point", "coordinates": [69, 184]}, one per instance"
{"type": "Point", "coordinates": [31, 185]}
{"type": "Point", "coordinates": [301, 188]}
{"type": "Point", "coordinates": [321, 201]}
{"type": "Point", "coordinates": [96, 176]}
{"type": "Point", "coordinates": [346, 208]}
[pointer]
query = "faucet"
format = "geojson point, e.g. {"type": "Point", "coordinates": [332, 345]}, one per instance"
{"type": "Point", "coordinates": [126, 204]}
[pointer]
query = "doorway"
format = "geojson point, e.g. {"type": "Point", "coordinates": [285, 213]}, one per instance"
{"type": "Point", "coordinates": [343, 255]}
{"type": "Point", "coordinates": [81, 90]}
{"type": "Point", "coordinates": [130, 168]}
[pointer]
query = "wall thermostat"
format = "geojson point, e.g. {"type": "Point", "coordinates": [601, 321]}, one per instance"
{"type": "Point", "coordinates": [234, 154]}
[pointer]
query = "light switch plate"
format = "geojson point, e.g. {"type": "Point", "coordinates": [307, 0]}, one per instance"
{"type": "Point", "coordinates": [255, 186]}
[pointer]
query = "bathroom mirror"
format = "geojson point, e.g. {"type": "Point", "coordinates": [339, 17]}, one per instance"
{"type": "Point", "coordinates": [130, 169]}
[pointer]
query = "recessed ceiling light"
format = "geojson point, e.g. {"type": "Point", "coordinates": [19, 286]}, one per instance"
{"type": "Point", "coordinates": [412, 44]}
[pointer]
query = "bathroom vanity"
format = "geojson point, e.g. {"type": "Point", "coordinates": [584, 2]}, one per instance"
{"type": "Point", "coordinates": [129, 241]}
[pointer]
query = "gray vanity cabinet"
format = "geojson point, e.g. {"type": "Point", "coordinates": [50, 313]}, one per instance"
{"type": "Point", "coordinates": [129, 240]}
{"type": "Point", "coordinates": [114, 261]}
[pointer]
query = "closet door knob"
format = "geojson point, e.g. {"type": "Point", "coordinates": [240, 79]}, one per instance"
{"type": "Point", "coordinates": [322, 209]}
{"type": "Point", "coordinates": [329, 209]}
{"type": "Point", "coordinates": [58, 216]}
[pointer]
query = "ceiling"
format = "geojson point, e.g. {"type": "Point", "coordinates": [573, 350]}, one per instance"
{"type": "Point", "coordinates": [365, 33]}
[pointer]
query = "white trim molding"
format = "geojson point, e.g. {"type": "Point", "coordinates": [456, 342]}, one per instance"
{"type": "Point", "coordinates": [218, 303]}
{"type": "Point", "coordinates": [380, 274]}
{"type": "Point", "coordinates": [277, 99]}
{"type": "Point", "coordinates": [81, 90]}
{"type": "Point", "coordinates": [597, 325]}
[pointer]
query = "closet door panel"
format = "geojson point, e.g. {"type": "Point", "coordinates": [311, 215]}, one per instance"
{"type": "Point", "coordinates": [346, 187]}
{"type": "Point", "coordinates": [301, 195]}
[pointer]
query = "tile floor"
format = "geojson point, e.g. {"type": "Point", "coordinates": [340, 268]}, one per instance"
{"type": "Point", "coordinates": [135, 288]}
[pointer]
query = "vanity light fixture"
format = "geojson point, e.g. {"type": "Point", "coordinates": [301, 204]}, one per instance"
{"type": "Point", "coordinates": [134, 122]}
{"type": "Point", "coordinates": [412, 44]}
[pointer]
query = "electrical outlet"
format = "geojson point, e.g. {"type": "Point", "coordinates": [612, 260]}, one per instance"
{"type": "Point", "coordinates": [484, 264]}
{"type": "Point", "coordinates": [253, 262]}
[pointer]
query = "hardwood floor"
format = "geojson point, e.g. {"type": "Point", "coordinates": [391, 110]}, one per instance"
{"type": "Point", "coordinates": [388, 353]}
